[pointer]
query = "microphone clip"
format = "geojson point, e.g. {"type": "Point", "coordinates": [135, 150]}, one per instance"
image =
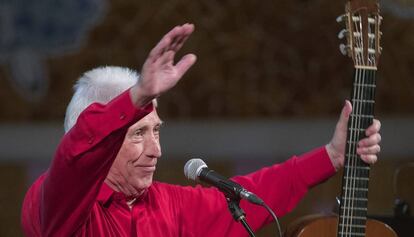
{"type": "Point", "coordinates": [235, 209]}
{"type": "Point", "coordinates": [238, 214]}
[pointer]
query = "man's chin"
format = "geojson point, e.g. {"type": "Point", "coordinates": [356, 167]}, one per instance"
{"type": "Point", "coordinates": [145, 183]}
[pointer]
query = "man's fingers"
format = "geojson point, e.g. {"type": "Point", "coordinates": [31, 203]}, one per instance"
{"type": "Point", "coordinates": [173, 40]}
{"type": "Point", "coordinates": [178, 43]}
{"type": "Point", "coordinates": [374, 128]}
{"type": "Point", "coordinates": [187, 29]}
{"type": "Point", "coordinates": [184, 64]}
{"type": "Point", "coordinates": [166, 58]}
{"type": "Point", "coordinates": [371, 150]}
{"type": "Point", "coordinates": [370, 141]}
{"type": "Point", "coordinates": [165, 43]}
{"type": "Point", "coordinates": [159, 49]}
{"type": "Point", "coordinates": [369, 159]}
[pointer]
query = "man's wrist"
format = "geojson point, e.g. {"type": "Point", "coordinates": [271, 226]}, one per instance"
{"type": "Point", "coordinates": [334, 156]}
{"type": "Point", "coordinates": [138, 98]}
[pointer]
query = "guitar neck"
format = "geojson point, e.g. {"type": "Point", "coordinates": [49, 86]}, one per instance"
{"type": "Point", "coordinates": [354, 199]}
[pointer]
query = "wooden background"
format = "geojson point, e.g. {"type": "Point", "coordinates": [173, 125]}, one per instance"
{"type": "Point", "coordinates": [255, 59]}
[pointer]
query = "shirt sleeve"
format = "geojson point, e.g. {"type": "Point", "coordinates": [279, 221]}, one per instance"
{"type": "Point", "coordinates": [281, 186]}
{"type": "Point", "coordinates": [81, 164]}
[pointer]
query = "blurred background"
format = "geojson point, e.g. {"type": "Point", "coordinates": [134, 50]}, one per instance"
{"type": "Point", "coordinates": [269, 83]}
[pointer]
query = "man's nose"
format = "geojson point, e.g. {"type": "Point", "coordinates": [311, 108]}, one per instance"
{"type": "Point", "coordinates": [153, 147]}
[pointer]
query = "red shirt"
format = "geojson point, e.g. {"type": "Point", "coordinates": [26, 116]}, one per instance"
{"type": "Point", "coordinates": [71, 199]}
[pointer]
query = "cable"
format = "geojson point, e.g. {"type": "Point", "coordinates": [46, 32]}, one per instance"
{"type": "Point", "coordinates": [274, 217]}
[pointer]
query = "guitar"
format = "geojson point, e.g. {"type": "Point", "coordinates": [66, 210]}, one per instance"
{"type": "Point", "coordinates": [362, 20]}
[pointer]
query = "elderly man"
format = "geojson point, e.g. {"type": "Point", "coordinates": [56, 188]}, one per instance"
{"type": "Point", "coordinates": [100, 181]}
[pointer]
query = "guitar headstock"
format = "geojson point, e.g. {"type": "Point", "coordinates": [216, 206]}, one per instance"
{"type": "Point", "coordinates": [362, 21]}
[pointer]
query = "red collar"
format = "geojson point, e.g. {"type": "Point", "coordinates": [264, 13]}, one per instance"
{"type": "Point", "coordinates": [106, 194]}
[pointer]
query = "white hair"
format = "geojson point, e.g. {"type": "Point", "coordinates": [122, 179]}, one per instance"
{"type": "Point", "coordinates": [99, 85]}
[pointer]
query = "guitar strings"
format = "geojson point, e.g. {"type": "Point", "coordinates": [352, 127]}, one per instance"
{"type": "Point", "coordinates": [355, 135]}
{"type": "Point", "coordinates": [356, 103]}
{"type": "Point", "coordinates": [365, 108]}
{"type": "Point", "coordinates": [353, 217]}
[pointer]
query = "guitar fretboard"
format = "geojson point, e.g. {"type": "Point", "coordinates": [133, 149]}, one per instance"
{"type": "Point", "coordinates": [354, 199]}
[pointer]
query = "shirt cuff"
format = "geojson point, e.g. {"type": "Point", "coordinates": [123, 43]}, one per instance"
{"type": "Point", "coordinates": [315, 166]}
{"type": "Point", "coordinates": [121, 112]}
{"type": "Point", "coordinates": [126, 110]}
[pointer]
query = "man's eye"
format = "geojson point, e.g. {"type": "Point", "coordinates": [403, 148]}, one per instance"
{"type": "Point", "coordinates": [138, 132]}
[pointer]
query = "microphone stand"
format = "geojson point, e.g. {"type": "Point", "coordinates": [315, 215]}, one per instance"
{"type": "Point", "coordinates": [238, 213]}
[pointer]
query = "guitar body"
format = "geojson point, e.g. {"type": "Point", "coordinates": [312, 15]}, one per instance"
{"type": "Point", "coordinates": [326, 226]}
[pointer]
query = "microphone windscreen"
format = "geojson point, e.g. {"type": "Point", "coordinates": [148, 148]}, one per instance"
{"type": "Point", "coordinates": [193, 167]}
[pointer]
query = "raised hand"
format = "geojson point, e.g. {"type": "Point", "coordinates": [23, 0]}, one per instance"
{"type": "Point", "coordinates": [159, 73]}
{"type": "Point", "coordinates": [368, 148]}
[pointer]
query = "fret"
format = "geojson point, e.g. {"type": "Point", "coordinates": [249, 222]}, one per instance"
{"type": "Point", "coordinates": [366, 67]}
{"type": "Point", "coordinates": [357, 129]}
{"type": "Point", "coordinates": [362, 116]}
{"type": "Point", "coordinates": [364, 101]}
{"type": "Point", "coordinates": [356, 208]}
{"type": "Point", "coordinates": [362, 168]}
{"type": "Point", "coordinates": [357, 178]}
{"type": "Point", "coordinates": [365, 85]}
{"type": "Point", "coordinates": [355, 218]}
{"type": "Point", "coordinates": [355, 189]}
{"type": "Point", "coordinates": [352, 225]}
{"type": "Point", "coordinates": [348, 204]}
{"type": "Point", "coordinates": [357, 199]}
{"type": "Point", "coordinates": [354, 212]}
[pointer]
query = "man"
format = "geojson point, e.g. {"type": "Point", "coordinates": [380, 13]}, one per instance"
{"type": "Point", "coordinates": [100, 182]}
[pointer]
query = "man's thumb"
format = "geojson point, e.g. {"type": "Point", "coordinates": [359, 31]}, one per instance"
{"type": "Point", "coordinates": [344, 117]}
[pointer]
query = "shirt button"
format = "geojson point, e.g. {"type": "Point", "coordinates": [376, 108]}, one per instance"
{"type": "Point", "coordinates": [122, 116]}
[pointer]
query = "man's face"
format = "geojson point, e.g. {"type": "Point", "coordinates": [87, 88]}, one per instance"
{"type": "Point", "coordinates": [135, 163]}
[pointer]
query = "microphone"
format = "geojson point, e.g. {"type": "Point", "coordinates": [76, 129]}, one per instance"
{"type": "Point", "coordinates": [197, 170]}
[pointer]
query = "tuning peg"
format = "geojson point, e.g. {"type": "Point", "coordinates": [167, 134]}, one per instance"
{"type": "Point", "coordinates": [344, 49]}
{"type": "Point", "coordinates": [340, 18]}
{"type": "Point", "coordinates": [342, 33]}
{"type": "Point", "coordinates": [371, 20]}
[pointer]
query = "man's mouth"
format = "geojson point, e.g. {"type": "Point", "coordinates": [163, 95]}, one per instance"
{"type": "Point", "coordinates": [148, 168]}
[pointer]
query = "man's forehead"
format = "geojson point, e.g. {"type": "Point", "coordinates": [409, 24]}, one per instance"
{"type": "Point", "coordinates": [151, 119]}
